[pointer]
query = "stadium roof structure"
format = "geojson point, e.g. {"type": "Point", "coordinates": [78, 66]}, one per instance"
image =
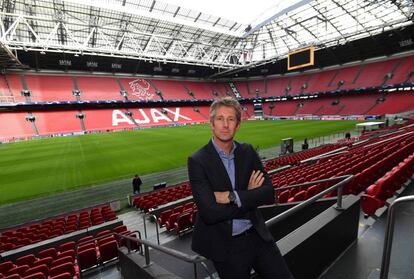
{"type": "Point", "coordinates": [151, 30]}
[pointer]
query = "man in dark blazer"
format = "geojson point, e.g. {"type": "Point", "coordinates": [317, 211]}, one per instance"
{"type": "Point", "coordinates": [228, 184]}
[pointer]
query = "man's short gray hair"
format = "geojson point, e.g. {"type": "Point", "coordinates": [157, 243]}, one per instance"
{"type": "Point", "coordinates": [228, 102]}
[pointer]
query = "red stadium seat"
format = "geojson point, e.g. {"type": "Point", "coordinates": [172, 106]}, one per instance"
{"type": "Point", "coordinates": [50, 252]}
{"type": "Point", "coordinates": [65, 275]}
{"type": "Point", "coordinates": [108, 251]}
{"type": "Point", "coordinates": [87, 259]}
{"type": "Point", "coordinates": [67, 246]}
{"type": "Point", "coordinates": [183, 222]}
{"type": "Point", "coordinates": [5, 267]}
{"type": "Point", "coordinates": [46, 261]}
{"type": "Point", "coordinates": [38, 275]}
{"type": "Point", "coordinates": [18, 270]}
{"type": "Point", "coordinates": [63, 268]}
{"type": "Point", "coordinates": [26, 260]}
{"type": "Point", "coordinates": [40, 268]}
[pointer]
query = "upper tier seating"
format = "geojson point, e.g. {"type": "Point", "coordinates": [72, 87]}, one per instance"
{"type": "Point", "coordinates": [99, 88]}
{"type": "Point", "coordinates": [45, 88]}
{"type": "Point", "coordinates": [200, 90]}
{"type": "Point", "coordinates": [42, 88]}
{"type": "Point", "coordinates": [139, 89]}
{"type": "Point", "coordinates": [258, 85]}
{"type": "Point", "coordinates": [172, 90]}
{"type": "Point", "coordinates": [277, 86]}
{"type": "Point", "coordinates": [220, 88]}
{"type": "Point", "coordinates": [402, 72]}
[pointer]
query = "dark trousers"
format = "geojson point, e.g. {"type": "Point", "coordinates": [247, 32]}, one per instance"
{"type": "Point", "coordinates": [249, 251]}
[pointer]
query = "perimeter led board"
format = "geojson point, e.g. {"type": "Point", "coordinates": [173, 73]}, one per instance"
{"type": "Point", "coordinates": [301, 58]}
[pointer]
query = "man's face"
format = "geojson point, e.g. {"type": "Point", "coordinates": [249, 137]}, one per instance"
{"type": "Point", "coordinates": [224, 125]}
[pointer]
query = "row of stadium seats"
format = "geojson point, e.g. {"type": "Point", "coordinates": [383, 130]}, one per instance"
{"type": "Point", "coordinates": [295, 158]}
{"type": "Point", "coordinates": [377, 194]}
{"type": "Point", "coordinates": [346, 104]}
{"type": "Point", "coordinates": [48, 229]}
{"type": "Point", "coordinates": [179, 218]}
{"type": "Point", "coordinates": [373, 159]}
{"type": "Point", "coordinates": [46, 88]}
{"type": "Point", "coordinates": [110, 120]}
{"type": "Point", "coordinates": [71, 257]}
{"type": "Point", "coordinates": [99, 120]}
{"type": "Point", "coordinates": [151, 200]}
{"type": "Point", "coordinates": [375, 74]}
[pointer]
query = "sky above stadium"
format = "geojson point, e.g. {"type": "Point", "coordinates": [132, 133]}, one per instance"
{"type": "Point", "coordinates": [242, 11]}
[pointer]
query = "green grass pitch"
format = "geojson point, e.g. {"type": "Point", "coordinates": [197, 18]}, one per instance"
{"type": "Point", "coordinates": [41, 167]}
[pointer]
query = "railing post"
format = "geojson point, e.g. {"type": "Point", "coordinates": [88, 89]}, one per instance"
{"type": "Point", "coordinates": [147, 256]}
{"type": "Point", "coordinates": [276, 195]}
{"type": "Point", "coordinates": [195, 270]}
{"type": "Point", "coordinates": [145, 226]}
{"type": "Point", "coordinates": [386, 254]}
{"type": "Point", "coordinates": [339, 198]}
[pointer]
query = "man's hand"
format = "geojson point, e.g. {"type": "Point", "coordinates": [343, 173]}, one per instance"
{"type": "Point", "coordinates": [222, 197]}
{"type": "Point", "coordinates": [256, 180]}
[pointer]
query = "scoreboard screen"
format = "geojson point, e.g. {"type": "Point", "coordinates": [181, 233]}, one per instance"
{"type": "Point", "coordinates": [301, 58]}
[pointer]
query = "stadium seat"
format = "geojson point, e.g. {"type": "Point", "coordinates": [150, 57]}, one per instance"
{"type": "Point", "coordinates": [120, 229]}
{"type": "Point", "coordinates": [87, 259]}
{"type": "Point", "coordinates": [183, 222]}
{"type": "Point", "coordinates": [164, 217]}
{"type": "Point", "coordinates": [40, 268]}
{"type": "Point", "coordinates": [18, 270]}
{"type": "Point", "coordinates": [67, 246]}
{"type": "Point", "coordinates": [5, 267]}
{"type": "Point", "coordinates": [169, 225]}
{"type": "Point", "coordinates": [46, 261]}
{"type": "Point", "coordinates": [108, 251]}
{"type": "Point", "coordinates": [50, 252]}
{"type": "Point", "coordinates": [26, 260]}
{"type": "Point", "coordinates": [370, 204]}
{"type": "Point", "coordinates": [63, 268]}
{"type": "Point", "coordinates": [65, 275]}
{"type": "Point", "coordinates": [283, 196]}
{"type": "Point", "coordinates": [38, 275]}
{"type": "Point", "coordinates": [70, 253]}
{"type": "Point", "coordinates": [60, 261]}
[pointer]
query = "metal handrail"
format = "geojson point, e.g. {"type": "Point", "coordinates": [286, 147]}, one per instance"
{"type": "Point", "coordinates": [194, 259]}
{"type": "Point", "coordinates": [344, 180]}
{"type": "Point", "coordinates": [386, 255]}
{"type": "Point", "coordinates": [154, 218]}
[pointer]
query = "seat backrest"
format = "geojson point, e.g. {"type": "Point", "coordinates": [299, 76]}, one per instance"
{"type": "Point", "coordinates": [57, 262]}
{"type": "Point", "coordinates": [18, 270]}
{"type": "Point", "coordinates": [108, 250]}
{"type": "Point", "coordinates": [87, 258]}
{"type": "Point", "coordinates": [41, 268]}
{"type": "Point", "coordinates": [37, 275]}
{"type": "Point", "coordinates": [51, 252]}
{"type": "Point", "coordinates": [66, 267]}
{"type": "Point", "coordinates": [27, 259]}
{"type": "Point", "coordinates": [47, 261]}
{"type": "Point", "coordinates": [67, 246]}
{"type": "Point", "coordinates": [6, 266]}
{"type": "Point", "coordinates": [86, 246]}
{"type": "Point", "coordinates": [67, 253]}
{"type": "Point", "coordinates": [65, 275]}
